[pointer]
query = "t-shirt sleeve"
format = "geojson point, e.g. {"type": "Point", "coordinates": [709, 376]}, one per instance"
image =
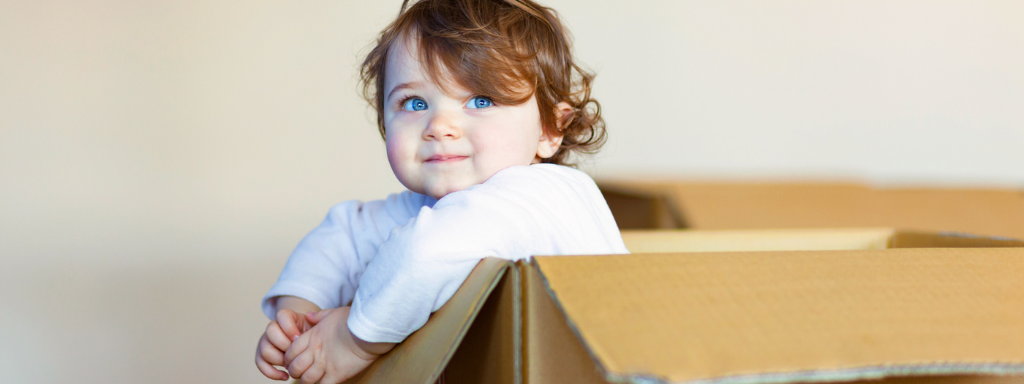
{"type": "Point", "coordinates": [422, 264]}
{"type": "Point", "coordinates": [326, 266]}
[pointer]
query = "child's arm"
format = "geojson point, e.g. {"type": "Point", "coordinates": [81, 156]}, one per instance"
{"type": "Point", "coordinates": [329, 353]}
{"type": "Point", "coordinates": [520, 211]}
{"type": "Point", "coordinates": [325, 266]}
{"type": "Point", "coordinates": [424, 262]}
{"type": "Point", "coordinates": [325, 269]}
{"type": "Point", "coordinates": [289, 323]}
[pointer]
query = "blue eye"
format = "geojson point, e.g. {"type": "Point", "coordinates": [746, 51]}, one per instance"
{"type": "Point", "coordinates": [479, 102]}
{"type": "Point", "coordinates": [414, 104]}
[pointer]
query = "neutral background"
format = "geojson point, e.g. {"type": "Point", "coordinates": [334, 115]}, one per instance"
{"type": "Point", "coordinates": [159, 159]}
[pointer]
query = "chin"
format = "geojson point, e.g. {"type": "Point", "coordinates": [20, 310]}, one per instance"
{"type": "Point", "coordinates": [439, 191]}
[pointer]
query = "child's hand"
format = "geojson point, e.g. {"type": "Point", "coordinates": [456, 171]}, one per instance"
{"type": "Point", "coordinates": [328, 353]}
{"type": "Point", "coordinates": [275, 341]}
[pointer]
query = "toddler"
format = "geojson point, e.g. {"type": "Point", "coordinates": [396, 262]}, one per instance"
{"type": "Point", "coordinates": [480, 106]}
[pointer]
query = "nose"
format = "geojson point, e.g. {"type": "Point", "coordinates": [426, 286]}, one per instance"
{"type": "Point", "coordinates": [442, 126]}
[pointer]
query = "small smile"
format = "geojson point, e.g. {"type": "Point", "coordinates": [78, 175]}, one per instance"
{"type": "Point", "coordinates": [445, 158]}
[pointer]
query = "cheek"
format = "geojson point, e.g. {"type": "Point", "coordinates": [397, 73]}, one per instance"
{"type": "Point", "coordinates": [524, 133]}
{"type": "Point", "coordinates": [398, 154]}
{"type": "Point", "coordinates": [506, 144]}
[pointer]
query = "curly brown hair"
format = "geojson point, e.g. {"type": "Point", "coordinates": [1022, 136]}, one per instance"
{"type": "Point", "coordinates": [507, 50]}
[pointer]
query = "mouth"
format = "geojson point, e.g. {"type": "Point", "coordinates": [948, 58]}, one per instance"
{"type": "Point", "coordinates": [437, 159]}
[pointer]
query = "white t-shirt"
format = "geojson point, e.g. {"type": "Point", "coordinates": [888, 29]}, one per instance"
{"type": "Point", "coordinates": [409, 253]}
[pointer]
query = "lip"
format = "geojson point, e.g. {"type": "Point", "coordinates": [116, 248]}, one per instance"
{"type": "Point", "coordinates": [445, 158]}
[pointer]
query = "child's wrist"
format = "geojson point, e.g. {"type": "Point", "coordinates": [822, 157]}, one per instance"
{"type": "Point", "coordinates": [371, 349]}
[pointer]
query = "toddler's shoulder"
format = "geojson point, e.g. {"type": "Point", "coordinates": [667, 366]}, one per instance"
{"type": "Point", "coordinates": [538, 186]}
{"type": "Point", "coordinates": [543, 187]}
{"type": "Point", "coordinates": [540, 176]}
{"type": "Point", "coordinates": [408, 201]}
{"type": "Point", "coordinates": [395, 209]}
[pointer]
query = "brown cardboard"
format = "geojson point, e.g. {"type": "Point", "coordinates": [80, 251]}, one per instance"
{"type": "Point", "coordinates": [552, 352]}
{"type": "Point", "coordinates": [954, 315]}
{"type": "Point", "coordinates": [490, 350]}
{"type": "Point", "coordinates": [660, 241]}
{"type": "Point", "coordinates": [795, 316]}
{"type": "Point", "coordinates": [636, 208]}
{"type": "Point", "coordinates": [951, 379]}
{"type": "Point", "coordinates": [424, 355]}
{"type": "Point", "coordinates": [709, 205]}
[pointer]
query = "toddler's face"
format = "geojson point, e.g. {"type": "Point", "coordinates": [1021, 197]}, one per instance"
{"type": "Point", "coordinates": [439, 143]}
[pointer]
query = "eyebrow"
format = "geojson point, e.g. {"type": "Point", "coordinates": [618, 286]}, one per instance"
{"type": "Point", "coordinates": [410, 84]}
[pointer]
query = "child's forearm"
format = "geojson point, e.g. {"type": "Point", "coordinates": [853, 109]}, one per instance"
{"type": "Point", "coordinates": [296, 304]}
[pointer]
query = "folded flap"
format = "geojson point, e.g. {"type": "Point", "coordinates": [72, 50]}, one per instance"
{"type": "Point", "coordinates": [762, 205]}
{"type": "Point", "coordinates": [424, 354]}
{"type": "Point", "coordinates": [795, 316]}
{"type": "Point", "coordinates": [812, 239]}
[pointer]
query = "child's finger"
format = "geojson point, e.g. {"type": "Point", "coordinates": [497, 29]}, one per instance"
{"type": "Point", "coordinates": [267, 369]}
{"type": "Point", "coordinates": [276, 337]}
{"type": "Point", "coordinates": [300, 364]}
{"type": "Point", "coordinates": [314, 318]}
{"type": "Point", "coordinates": [298, 347]}
{"type": "Point", "coordinates": [313, 374]}
{"type": "Point", "coordinates": [270, 353]}
{"type": "Point", "coordinates": [289, 322]}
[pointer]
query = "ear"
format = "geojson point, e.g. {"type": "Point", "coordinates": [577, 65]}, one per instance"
{"type": "Point", "coordinates": [551, 139]}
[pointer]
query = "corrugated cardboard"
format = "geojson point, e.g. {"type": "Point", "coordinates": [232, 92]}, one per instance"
{"type": "Point", "coordinates": [659, 241]}
{"type": "Point", "coordinates": [423, 356]}
{"type": "Point", "coordinates": [751, 317]}
{"type": "Point", "coordinates": [991, 212]}
{"type": "Point", "coordinates": [890, 307]}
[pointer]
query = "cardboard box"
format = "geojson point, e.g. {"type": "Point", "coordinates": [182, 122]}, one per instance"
{"type": "Point", "coordinates": [892, 306]}
{"type": "Point", "coordinates": [814, 239]}
{"type": "Point", "coordinates": [696, 205]}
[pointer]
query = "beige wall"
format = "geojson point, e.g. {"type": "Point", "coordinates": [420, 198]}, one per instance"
{"type": "Point", "coordinates": [158, 160]}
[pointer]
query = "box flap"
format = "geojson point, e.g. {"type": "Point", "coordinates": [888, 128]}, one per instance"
{"type": "Point", "coordinates": [912, 239]}
{"type": "Point", "coordinates": [746, 317]}
{"type": "Point", "coordinates": [951, 379]}
{"type": "Point", "coordinates": [685, 240]}
{"type": "Point", "coordinates": [423, 355]}
{"type": "Point", "coordinates": [491, 351]}
{"type": "Point", "coordinates": [552, 352]}
{"type": "Point", "coordinates": [659, 241]}
{"type": "Point", "coordinates": [724, 205]}
{"type": "Point", "coordinates": [638, 209]}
